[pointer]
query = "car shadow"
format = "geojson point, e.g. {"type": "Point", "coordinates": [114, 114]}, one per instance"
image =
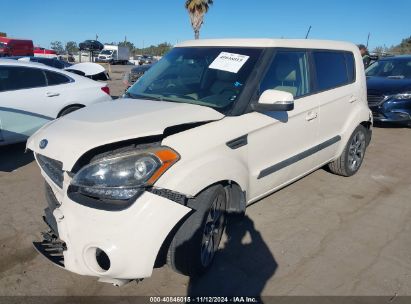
{"type": "Point", "coordinates": [14, 156]}
{"type": "Point", "coordinates": [243, 265]}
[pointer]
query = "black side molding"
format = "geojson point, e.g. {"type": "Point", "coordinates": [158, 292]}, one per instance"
{"type": "Point", "coordinates": [238, 142]}
{"type": "Point", "coordinates": [298, 157]}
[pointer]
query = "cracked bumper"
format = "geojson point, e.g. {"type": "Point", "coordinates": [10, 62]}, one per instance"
{"type": "Point", "coordinates": [131, 238]}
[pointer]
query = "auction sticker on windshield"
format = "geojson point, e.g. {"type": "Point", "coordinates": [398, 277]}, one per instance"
{"type": "Point", "coordinates": [229, 62]}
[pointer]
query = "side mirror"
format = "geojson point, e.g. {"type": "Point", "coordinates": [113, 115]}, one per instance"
{"type": "Point", "coordinates": [274, 100]}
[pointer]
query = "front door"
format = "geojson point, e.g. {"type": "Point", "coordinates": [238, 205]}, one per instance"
{"type": "Point", "coordinates": [281, 147]}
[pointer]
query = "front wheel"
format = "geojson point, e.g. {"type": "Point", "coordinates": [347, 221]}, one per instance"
{"type": "Point", "coordinates": [193, 247]}
{"type": "Point", "coordinates": [352, 157]}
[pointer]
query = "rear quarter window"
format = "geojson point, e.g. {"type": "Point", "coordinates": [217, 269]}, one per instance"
{"type": "Point", "coordinates": [56, 78]}
{"type": "Point", "coordinates": [350, 62]}
{"type": "Point", "coordinates": [333, 69]}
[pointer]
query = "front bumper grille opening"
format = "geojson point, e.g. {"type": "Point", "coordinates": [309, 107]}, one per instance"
{"type": "Point", "coordinates": [51, 248]}
{"type": "Point", "coordinates": [375, 100]}
{"type": "Point", "coordinates": [102, 259]}
{"type": "Point", "coordinates": [53, 169]}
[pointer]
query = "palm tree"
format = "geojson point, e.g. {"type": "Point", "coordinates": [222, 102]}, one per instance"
{"type": "Point", "coordinates": [197, 9]}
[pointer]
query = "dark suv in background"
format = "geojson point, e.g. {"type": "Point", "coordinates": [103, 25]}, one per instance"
{"type": "Point", "coordinates": [91, 45]}
{"type": "Point", "coordinates": [389, 89]}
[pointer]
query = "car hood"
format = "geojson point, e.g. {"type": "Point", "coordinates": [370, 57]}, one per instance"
{"type": "Point", "coordinates": [387, 86]}
{"type": "Point", "coordinates": [69, 137]}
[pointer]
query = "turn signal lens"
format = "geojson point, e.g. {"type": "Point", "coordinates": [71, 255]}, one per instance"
{"type": "Point", "coordinates": [168, 158]}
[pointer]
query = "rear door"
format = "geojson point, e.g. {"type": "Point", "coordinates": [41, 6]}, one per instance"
{"type": "Point", "coordinates": [335, 84]}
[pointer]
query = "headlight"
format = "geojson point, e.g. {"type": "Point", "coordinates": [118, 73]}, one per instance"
{"type": "Point", "coordinates": [123, 176]}
{"type": "Point", "coordinates": [403, 96]}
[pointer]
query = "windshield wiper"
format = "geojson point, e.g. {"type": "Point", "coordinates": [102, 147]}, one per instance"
{"type": "Point", "coordinates": [137, 96]}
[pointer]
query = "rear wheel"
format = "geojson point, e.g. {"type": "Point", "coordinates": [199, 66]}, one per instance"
{"type": "Point", "coordinates": [353, 155]}
{"type": "Point", "coordinates": [69, 110]}
{"type": "Point", "coordinates": [193, 247]}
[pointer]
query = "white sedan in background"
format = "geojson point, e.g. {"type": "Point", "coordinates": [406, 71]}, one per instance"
{"type": "Point", "coordinates": [31, 94]}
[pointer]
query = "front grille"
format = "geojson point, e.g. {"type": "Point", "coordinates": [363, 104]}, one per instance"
{"type": "Point", "coordinates": [375, 100]}
{"type": "Point", "coordinates": [377, 115]}
{"type": "Point", "coordinates": [53, 169]}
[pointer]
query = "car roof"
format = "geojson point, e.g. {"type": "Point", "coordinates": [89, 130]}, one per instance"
{"type": "Point", "coordinates": [40, 65]}
{"type": "Point", "coordinates": [33, 57]}
{"type": "Point", "coordinates": [24, 63]}
{"type": "Point", "coordinates": [8, 39]}
{"type": "Point", "coordinates": [270, 43]}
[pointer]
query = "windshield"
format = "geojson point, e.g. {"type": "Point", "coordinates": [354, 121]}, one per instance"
{"type": "Point", "coordinates": [394, 68]}
{"type": "Point", "coordinates": [2, 45]}
{"type": "Point", "coordinates": [208, 76]}
{"type": "Point", "coordinates": [106, 52]}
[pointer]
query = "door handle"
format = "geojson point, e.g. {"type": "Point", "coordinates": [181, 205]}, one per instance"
{"type": "Point", "coordinates": [352, 99]}
{"type": "Point", "coordinates": [52, 94]}
{"type": "Point", "coordinates": [311, 116]}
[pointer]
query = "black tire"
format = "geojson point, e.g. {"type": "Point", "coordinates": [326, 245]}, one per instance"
{"type": "Point", "coordinates": [353, 154]}
{"type": "Point", "coordinates": [69, 110]}
{"type": "Point", "coordinates": [188, 251]}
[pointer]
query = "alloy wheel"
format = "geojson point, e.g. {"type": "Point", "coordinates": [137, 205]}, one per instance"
{"type": "Point", "coordinates": [213, 230]}
{"type": "Point", "coordinates": [356, 151]}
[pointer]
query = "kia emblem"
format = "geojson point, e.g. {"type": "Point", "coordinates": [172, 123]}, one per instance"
{"type": "Point", "coordinates": [43, 143]}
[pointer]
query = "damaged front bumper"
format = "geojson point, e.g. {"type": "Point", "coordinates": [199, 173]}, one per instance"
{"type": "Point", "coordinates": [115, 246]}
{"type": "Point", "coordinates": [52, 248]}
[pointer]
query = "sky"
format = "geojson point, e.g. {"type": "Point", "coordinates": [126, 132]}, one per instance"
{"type": "Point", "coordinates": [151, 22]}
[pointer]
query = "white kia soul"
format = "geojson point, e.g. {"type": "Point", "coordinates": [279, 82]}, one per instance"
{"type": "Point", "coordinates": [214, 126]}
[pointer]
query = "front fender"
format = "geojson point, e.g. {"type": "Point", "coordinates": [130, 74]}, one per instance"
{"type": "Point", "coordinates": [191, 177]}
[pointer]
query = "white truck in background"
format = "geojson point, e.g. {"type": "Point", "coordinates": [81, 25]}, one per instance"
{"type": "Point", "coordinates": [114, 54]}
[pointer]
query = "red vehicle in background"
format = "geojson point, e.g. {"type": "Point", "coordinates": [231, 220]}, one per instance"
{"type": "Point", "coordinates": [15, 47]}
{"type": "Point", "coordinates": [42, 52]}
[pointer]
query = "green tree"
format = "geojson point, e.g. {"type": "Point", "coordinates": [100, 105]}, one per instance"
{"type": "Point", "coordinates": [128, 44]}
{"type": "Point", "coordinates": [196, 10]}
{"type": "Point", "coordinates": [381, 50]}
{"type": "Point", "coordinates": [3, 34]}
{"type": "Point", "coordinates": [71, 47]}
{"type": "Point", "coordinates": [162, 48]}
{"type": "Point", "coordinates": [57, 46]}
{"type": "Point", "coordinates": [403, 48]}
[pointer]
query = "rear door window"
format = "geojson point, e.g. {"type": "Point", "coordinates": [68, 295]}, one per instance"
{"type": "Point", "coordinates": [331, 69]}
{"type": "Point", "coordinates": [56, 78]}
{"type": "Point", "coordinates": [18, 78]}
